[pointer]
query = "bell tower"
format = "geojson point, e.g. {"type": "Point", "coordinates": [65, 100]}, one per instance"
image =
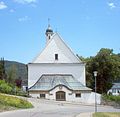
{"type": "Point", "coordinates": [49, 33]}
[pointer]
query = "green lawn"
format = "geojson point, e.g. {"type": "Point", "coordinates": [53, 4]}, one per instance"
{"type": "Point", "coordinates": [6, 108]}
{"type": "Point", "coordinates": [11, 103]}
{"type": "Point", "coordinates": [106, 114]}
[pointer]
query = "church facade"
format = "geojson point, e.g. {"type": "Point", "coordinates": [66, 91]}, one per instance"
{"type": "Point", "coordinates": [57, 73]}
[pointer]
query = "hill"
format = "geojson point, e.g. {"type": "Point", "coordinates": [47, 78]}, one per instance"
{"type": "Point", "coordinates": [20, 68]}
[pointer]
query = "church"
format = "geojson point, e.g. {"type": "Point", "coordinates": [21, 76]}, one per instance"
{"type": "Point", "coordinates": [57, 73]}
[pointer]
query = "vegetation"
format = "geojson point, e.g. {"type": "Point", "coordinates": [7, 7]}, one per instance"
{"type": "Point", "coordinates": [111, 100]}
{"type": "Point", "coordinates": [106, 114]}
{"type": "Point", "coordinates": [11, 89]}
{"type": "Point", "coordinates": [10, 101]}
{"type": "Point", "coordinates": [12, 74]}
{"type": "Point", "coordinates": [107, 64]}
{"type": "Point", "coordinates": [5, 87]}
{"type": "Point", "coordinates": [6, 108]}
{"type": "Point", "coordinates": [11, 77]}
{"type": "Point", "coordinates": [2, 69]}
{"type": "Point", "coordinates": [10, 83]}
{"type": "Point", "coordinates": [18, 70]}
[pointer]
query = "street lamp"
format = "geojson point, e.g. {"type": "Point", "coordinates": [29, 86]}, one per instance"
{"type": "Point", "coordinates": [95, 75]}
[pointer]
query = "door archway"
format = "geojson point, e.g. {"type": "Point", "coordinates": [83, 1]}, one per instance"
{"type": "Point", "coordinates": [60, 96]}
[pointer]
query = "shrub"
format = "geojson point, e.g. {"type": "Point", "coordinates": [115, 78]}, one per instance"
{"type": "Point", "coordinates": [111, 98]}
{"type": "Point", "coordinates": [11, 89]}
{"type": "Point", "coordinates": [5, 87]}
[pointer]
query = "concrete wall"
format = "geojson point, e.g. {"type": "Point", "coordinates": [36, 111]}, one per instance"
{"type": "Point", "coordinates": [35, 71]}
{"type": "Point", "coordinates": [86, 97]}
{"type": "Point", "coordinates": [91, 98]}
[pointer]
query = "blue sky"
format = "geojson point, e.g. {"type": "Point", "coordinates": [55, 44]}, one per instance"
{"type": "Point", "coordinates": [85, 25]}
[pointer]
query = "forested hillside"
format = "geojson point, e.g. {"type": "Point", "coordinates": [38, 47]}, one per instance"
{"type": "Point", "coordinates": [19, 68]}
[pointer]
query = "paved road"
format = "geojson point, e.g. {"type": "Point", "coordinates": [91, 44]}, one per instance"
{"type": "Point", "coordinates": [46, 108]}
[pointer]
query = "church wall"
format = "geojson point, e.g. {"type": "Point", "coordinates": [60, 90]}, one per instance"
{"type": "Point", "coordinates": [53, 97]}
{"type": "Point", "coordinates": [86, 96]}
{"type": "Point", "coordinates": [48, 56]}
{"type": "Point", "coordinates": [35, 71]}
{"type": "Point", "coordinates": [56, 46]}
{"type": "Point", "coordinates": [91, 98]}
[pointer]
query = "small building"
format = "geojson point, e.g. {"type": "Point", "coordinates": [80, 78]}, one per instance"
{"type": "Point", "coordinates": [115, 90]}
{"type": "Point", "coordinates": [57, 73]}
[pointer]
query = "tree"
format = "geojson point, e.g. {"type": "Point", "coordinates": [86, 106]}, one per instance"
{"type": "Point", "coordinates": [108, 66]}
{"type": "Point", "coordinates": [2, 69]}
{"type": "Point", "coordinates": [18, 82]}
{"type": "Point", "coordinates": [12, 74]}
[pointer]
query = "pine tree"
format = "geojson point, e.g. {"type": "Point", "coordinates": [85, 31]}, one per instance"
{"type": "Point", "coordinates": [2, 70]}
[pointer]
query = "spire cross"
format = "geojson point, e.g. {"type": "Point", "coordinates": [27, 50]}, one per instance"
{"type": "Point", "coordinates": [48, 22]}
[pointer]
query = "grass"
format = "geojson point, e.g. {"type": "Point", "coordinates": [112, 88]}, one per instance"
{"type": "Point", "coordinates": [106, 114]}
{"type": "Point", "coordinates": [11, 103]}
{"type": "Point", "coordinates": [6, 108]}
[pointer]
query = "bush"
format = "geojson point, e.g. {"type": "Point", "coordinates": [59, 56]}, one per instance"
{"type": "Point", "coordinates": [5, 87]}
{"type": "Point", "coordinates": [111, 98]}
{"type": "Point", "coordinates": [11, 89]}
{"type": "Point", "coordinates": [19, 92]}
{"type": "Point", "coordinates": [14, 102]}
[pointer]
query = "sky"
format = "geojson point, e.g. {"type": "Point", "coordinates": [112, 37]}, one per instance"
{"type": "Point", "coordinates": [85, 25]}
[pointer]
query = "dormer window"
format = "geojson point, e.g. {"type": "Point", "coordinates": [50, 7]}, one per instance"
{"type": "Point", "coordinates": [56, 56]}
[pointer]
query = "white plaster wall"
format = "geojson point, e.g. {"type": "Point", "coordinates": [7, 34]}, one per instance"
{"type": "Point", "coordinates": [37, 95]}
{"type": "Point", "coordinates": [35, 71]}
{"type": "Point", "coordinates": [53, 97]}
{"type": "Point", "coordinates": [83, 99]}
{"type": "Point", "coordinates": [34, 95]}
{"type": "Point", "coordinates": [48, 55]}
{"type": "Point", "coordinates": [91, 98]}
{"type": "Point", "coordinates": [56, 46]}
{"type": "Point", "coordinates": [86, 97]}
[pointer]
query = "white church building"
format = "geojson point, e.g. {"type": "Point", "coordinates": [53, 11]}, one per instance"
{"type": "Point", "coordinates": [57, 73]}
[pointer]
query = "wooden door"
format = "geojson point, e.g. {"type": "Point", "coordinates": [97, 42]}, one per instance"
{"type": "Point", "coordinates": [60, 96]}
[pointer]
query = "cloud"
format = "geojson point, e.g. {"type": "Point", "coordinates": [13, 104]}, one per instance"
{"type": "Point", "coordinates": [2, 5]}
{"type": "Point", "coordinates": [23, 19]}
{"type": "Point", "coordinates": [12, 10]}
{"type": "Point", "coordinates": [25, 1]}
{"type": "Point", "coordinates": [111, 5]}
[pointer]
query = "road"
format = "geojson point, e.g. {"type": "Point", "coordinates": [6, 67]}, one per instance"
{"type": "Point", "coordinates": [47, 108]}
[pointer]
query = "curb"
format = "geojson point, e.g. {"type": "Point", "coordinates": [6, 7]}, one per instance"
{"type": "Point", "coordinates": [87, 114]}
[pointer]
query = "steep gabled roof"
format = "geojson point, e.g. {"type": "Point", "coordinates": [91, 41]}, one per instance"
{"type": "Point", "coordinates": [56, 46]}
